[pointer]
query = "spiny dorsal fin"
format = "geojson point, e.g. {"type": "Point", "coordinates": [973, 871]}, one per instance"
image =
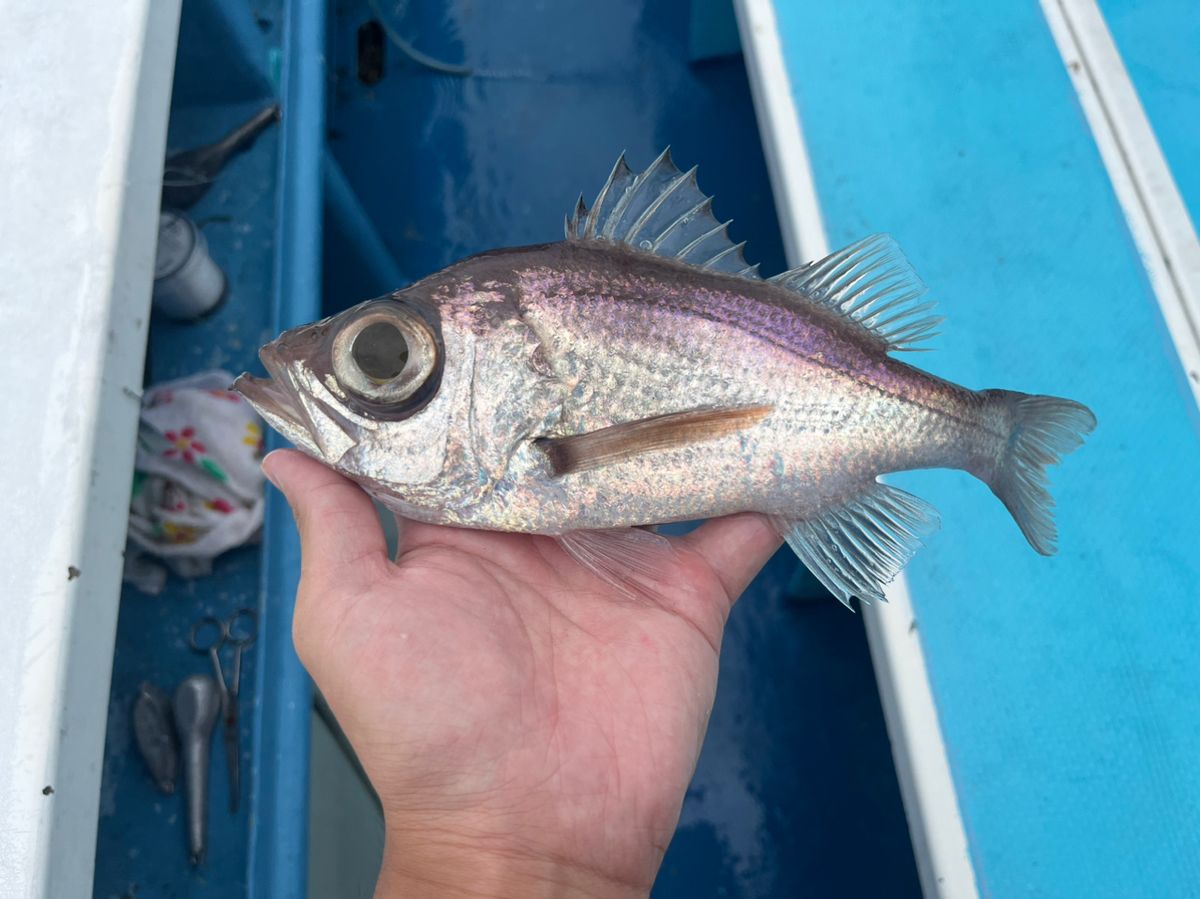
{"type": "Point", "coordinates": [871, 284]}
{"type": "Point", "coordinates": [856, 548]}
{"type": "Point", "coordinates": [581, 452]}
{"type": "Point", "coordinates": [660, 211]}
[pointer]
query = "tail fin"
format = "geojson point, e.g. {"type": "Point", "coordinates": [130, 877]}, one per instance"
{"type": "Point", "coordinates": [1041, 429]}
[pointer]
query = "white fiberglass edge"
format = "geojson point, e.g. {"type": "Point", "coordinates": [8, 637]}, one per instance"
{"type": "Point", "coordinates": [934, 821]}
{"type": "Point", "coordinates": [1157, 216]}
{"type": "Point", "coordinates": [85, 98]}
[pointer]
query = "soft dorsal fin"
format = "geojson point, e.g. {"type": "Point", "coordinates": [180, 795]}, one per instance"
{"type": "Point", "coordinates": [660, 211]}
{"type": "Point", "coordinates": [871, 284]}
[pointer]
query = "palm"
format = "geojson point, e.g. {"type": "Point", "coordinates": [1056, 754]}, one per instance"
{"type": "Point", "coordinates": [493, 687]}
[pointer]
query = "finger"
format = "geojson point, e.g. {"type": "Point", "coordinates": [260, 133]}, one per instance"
{"type": "Point", "coordinates": [413, 534]}
{"type": "Point", "coordinates": [341, 538]}
{"type": "Point", "coordinates": [736, 548]}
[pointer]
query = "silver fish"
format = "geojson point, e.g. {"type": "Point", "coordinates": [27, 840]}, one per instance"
{"type": "Point", "coordinates": [641, 372]}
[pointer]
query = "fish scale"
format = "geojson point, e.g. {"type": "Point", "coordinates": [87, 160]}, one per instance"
{"type": "Point", "coordinates": [641, 372]}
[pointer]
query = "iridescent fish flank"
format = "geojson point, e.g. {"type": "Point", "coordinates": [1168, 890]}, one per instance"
{"type": "Point", "coordinates": [641, 372]}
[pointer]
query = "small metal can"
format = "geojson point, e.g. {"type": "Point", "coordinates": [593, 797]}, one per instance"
{"type": "Point", "coordinates": [187, 283]}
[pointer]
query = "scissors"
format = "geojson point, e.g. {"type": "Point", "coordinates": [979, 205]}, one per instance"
{"type": "Point", "coordinates": [208, 635]}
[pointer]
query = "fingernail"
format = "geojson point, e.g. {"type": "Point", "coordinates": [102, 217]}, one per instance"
{"type": "Point", "coordinates": [266, 470]}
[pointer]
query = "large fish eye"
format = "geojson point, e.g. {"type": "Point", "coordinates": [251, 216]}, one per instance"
{"type": "Point", "coordinates": [388, 356]}
{"type": "Point", "coordinates": [380, 351]}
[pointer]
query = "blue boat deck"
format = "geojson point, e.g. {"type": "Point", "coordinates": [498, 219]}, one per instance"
{"type": "Point", "coordinates": [1064, 686]}
{"type": "Point", "coordinates": [556, 96]}
{"type": "Point", "coordinates": [1158, 44]}
{"type": "Point", "coordinates": [419, 169]}
{"type": "Point", "coordinates": [140, 847]}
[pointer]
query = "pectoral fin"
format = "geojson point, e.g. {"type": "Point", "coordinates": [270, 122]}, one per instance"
{"type": "Point", "coordinates": [582, 452]}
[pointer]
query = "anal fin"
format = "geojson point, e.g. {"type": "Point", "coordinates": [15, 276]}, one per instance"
{"type": "Point", "coordinates": [630, 559]}
{"type": "Point", "coordinates": [857, 547]}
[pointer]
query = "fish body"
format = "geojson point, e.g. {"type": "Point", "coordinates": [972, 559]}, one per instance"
{"type": "Point", "coordinates": [639, 373]}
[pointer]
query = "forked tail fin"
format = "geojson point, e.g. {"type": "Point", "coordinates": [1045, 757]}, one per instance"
{"type": "Point", "coordinates": [1041, 430]}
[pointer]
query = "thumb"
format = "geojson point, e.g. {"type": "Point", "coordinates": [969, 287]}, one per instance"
{"type": "Point", "coordinates": [341, 539]}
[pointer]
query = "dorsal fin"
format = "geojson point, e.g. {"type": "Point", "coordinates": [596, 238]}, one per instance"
{"type": "Point", "coordinates": [660, 211]}
{"type": "Point", "coordinates": [871, 284]}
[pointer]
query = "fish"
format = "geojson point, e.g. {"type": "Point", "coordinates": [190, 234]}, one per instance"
{"type": "Point", "coordinates": [640, 372]}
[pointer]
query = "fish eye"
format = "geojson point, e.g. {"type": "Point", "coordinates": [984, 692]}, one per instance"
{"type": "Point", "coordinates": [380, 351]}
{"type": "Point", "coordinates": [387, 356]}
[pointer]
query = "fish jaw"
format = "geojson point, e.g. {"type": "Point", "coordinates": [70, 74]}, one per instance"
{"type": "Point", "coordinates": [275, 399]}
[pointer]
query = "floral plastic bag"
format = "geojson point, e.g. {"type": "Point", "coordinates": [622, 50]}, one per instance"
{"type": "Point", "coordinates": [198, 487]}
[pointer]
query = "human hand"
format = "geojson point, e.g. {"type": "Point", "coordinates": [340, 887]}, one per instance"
{"type": "Point", "coordinates": [529, 730]}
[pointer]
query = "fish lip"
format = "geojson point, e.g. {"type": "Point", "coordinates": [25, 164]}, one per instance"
{"type": "Point", "coordinates": [272, 398]}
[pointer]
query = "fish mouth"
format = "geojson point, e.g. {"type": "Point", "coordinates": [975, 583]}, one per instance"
{"type": "Point", "coordinates": [274, 398]}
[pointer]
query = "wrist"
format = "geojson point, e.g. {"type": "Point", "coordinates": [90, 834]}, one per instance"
{"type": "Point", "coordinates": [445, 866]}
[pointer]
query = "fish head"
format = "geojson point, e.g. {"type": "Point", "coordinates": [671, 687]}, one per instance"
{"type": "Point", "coordinates": [423, 396]}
